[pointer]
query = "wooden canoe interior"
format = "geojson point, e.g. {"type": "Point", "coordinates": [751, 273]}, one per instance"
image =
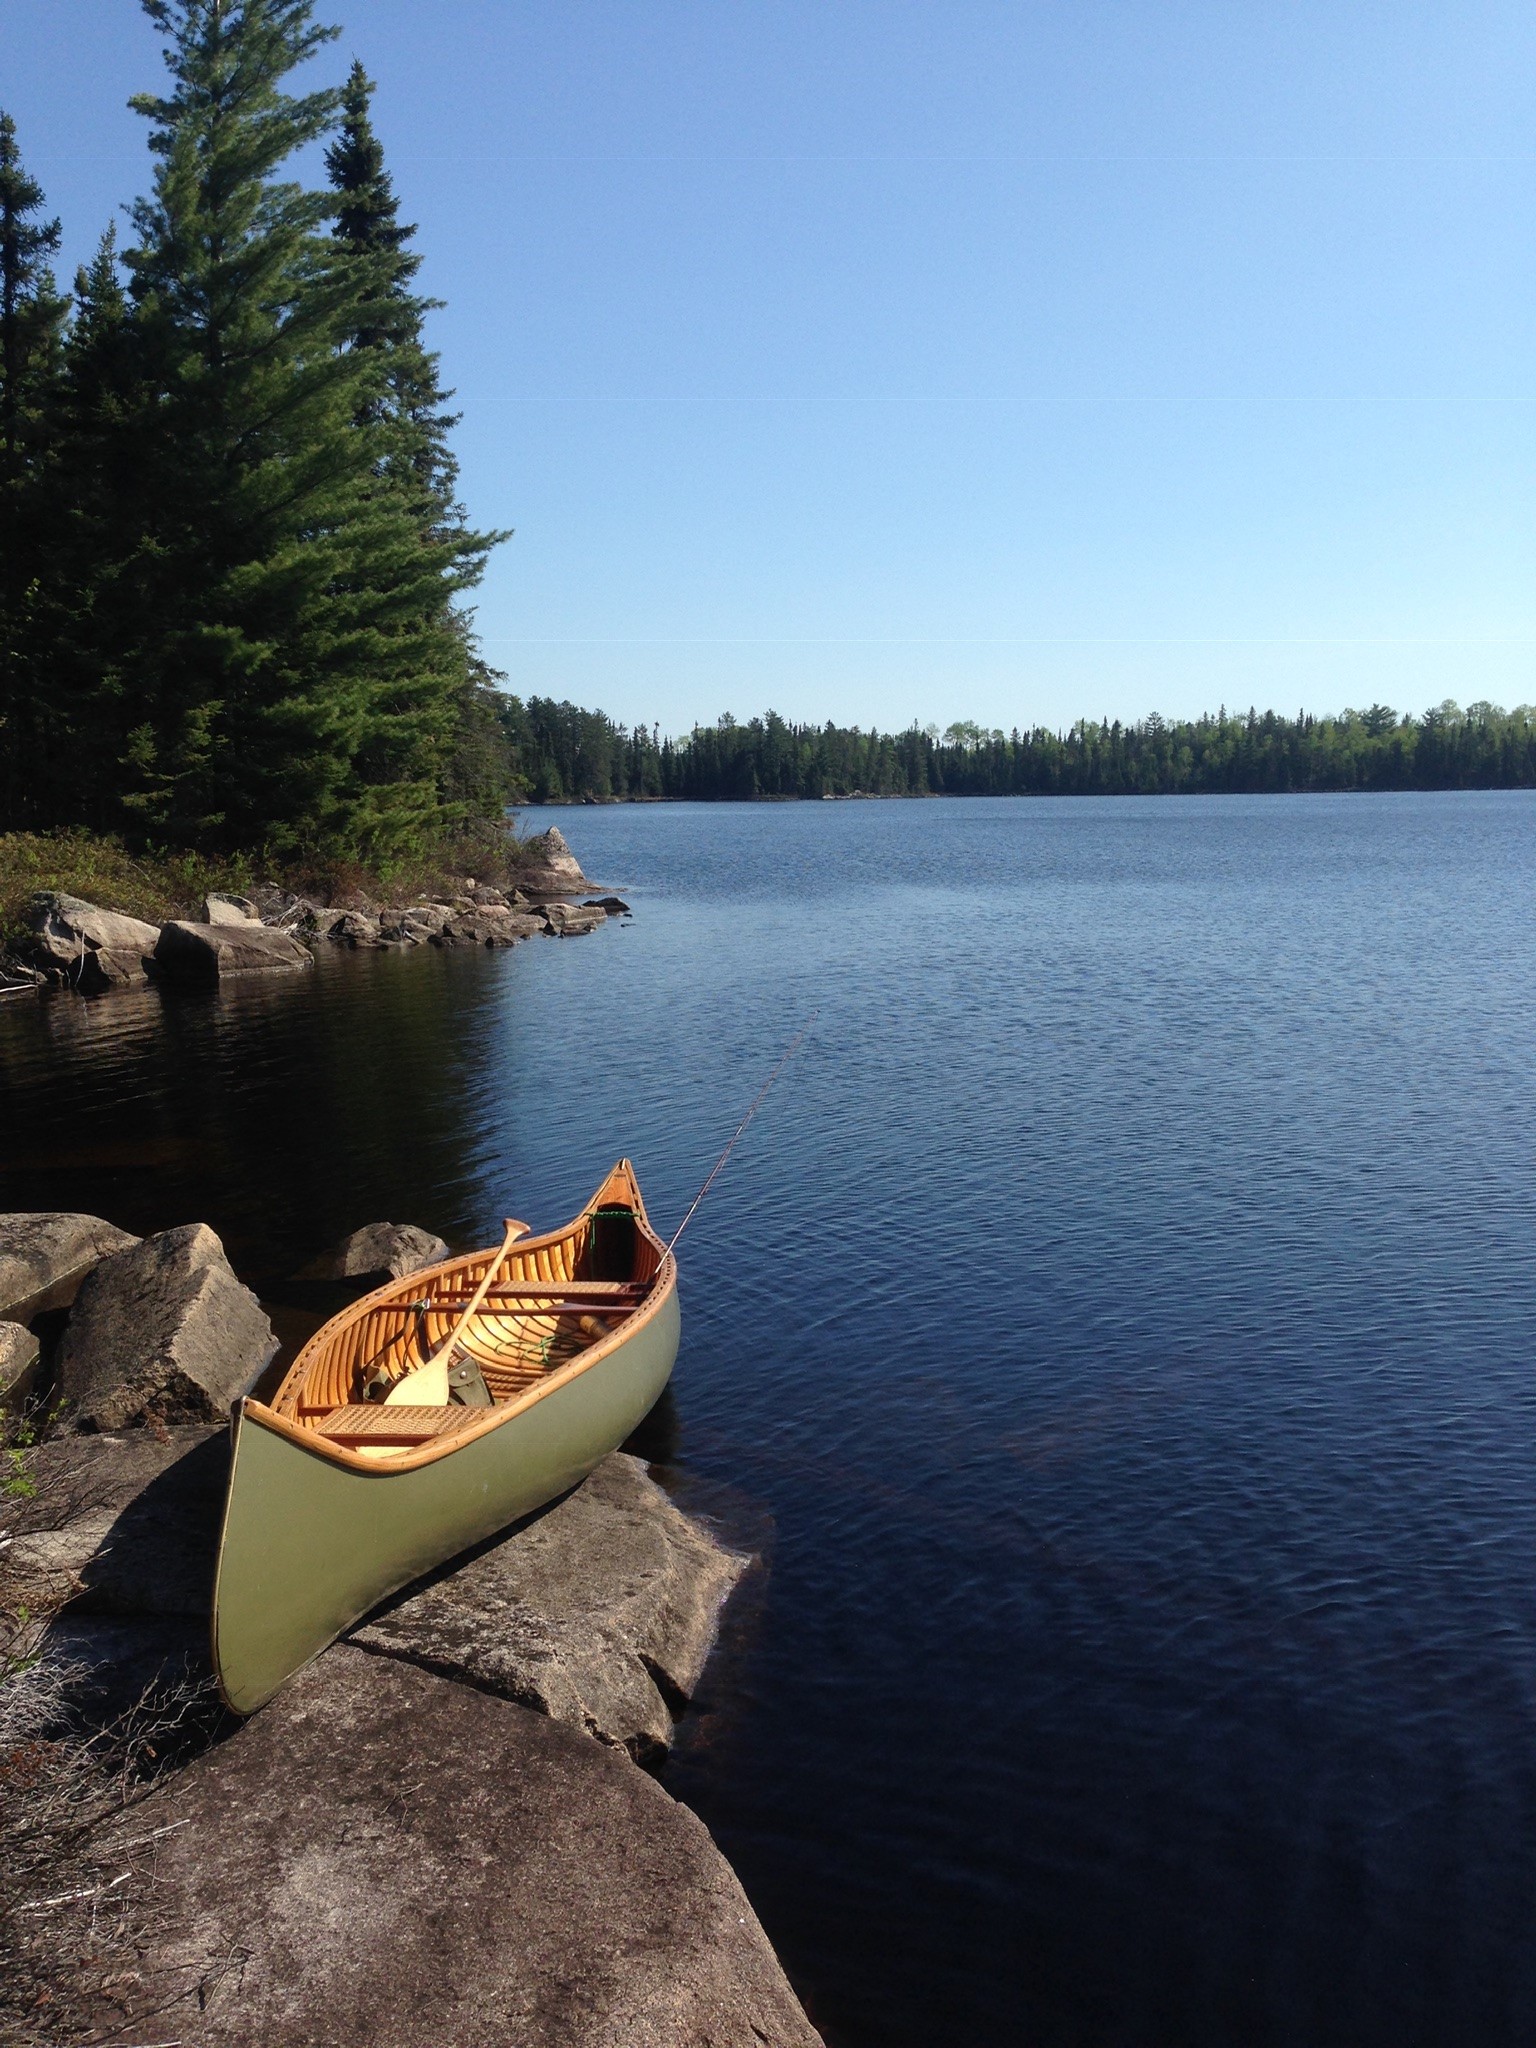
{"type": "Point", "coordinates": [551, 1299]}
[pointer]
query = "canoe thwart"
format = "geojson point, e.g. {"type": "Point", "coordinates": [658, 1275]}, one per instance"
{"type": "Point", "coordinates": [627, 1291]}
{"type": "Point", "coordinates": [553, 1305]}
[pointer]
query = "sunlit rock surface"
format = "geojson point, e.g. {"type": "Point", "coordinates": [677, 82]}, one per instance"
{"type": "Point", "coordinates": [383, 1858]}
{"type": "Point", "coordinates": [44, 1252]}
{"type": "Point", "coordinates": [163, 1331]}
{"type": "Point", "coordinates": [80, 946]}
{"type": "Point", "coordinates": [387, 1251]}
{"type": "Point", "coordinates": [600, 1611]}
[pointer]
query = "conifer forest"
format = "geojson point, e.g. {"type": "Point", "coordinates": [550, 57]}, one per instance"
{"type": "Point", "coordinates": [232, 555]}
{"type": "Point", "coordinates": [560, 753]}
{"type": "Point", "coordinates": [234, 562]}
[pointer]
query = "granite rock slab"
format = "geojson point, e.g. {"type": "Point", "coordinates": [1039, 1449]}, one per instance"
{"type": "Point", "coordinates": [213, 952]}
{"type": "Point", "coordinates": [123, 1524]}
{"type": "Point", "coordinates": [382, 1859]}
{"type": "Point", "coordinates": [549, 869]}
{"type": "Point", "coordinates": [230, 910]}
{"type": "Point", "coordinates": [19, 1352]}
{"type": "Point", "coordinates": [570, 921]}
{"type": "Point", "coordinates": [599, 1612]}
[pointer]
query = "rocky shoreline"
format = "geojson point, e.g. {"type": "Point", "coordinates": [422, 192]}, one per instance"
{"type": "Point", "coordinates": [447, 1828]}
{"type": "Point", "coordinates": [79, 946]}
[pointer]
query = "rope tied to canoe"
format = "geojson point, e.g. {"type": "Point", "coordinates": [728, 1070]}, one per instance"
{"type": "Point", "coordinates": [719, 1166]}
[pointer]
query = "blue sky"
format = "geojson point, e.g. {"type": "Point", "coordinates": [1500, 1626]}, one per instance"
{"type": "Point", "coordinates": [882, 361]}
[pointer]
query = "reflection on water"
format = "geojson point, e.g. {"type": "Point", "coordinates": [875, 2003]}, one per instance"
{"type": "Point", "coordinates": [283, 1112]}
{"type": "Point", "coordinates": [1120, 1318]}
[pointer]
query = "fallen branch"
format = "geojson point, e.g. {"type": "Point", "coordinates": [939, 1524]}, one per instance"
{"type": "Point", "coordinates": [68, 1898]}
{"type": "Point", "coordinates": [122, 1848]}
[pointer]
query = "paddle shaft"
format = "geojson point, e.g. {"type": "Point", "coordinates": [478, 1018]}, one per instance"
{"type": "Point", "coordinates": [514, 1232]}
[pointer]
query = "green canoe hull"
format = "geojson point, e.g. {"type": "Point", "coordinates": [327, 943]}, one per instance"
{"type": "Point", "coordinates": [311, 1543]}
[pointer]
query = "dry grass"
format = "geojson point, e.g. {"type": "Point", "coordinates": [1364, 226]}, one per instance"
{"type": "Point", "coordinates": [104, 872]}
{"type": "Point", "coordinates": [76, 1875]}
{"type": "Point", "coordinates": [74, 1879]}
{"type": "Point", "coordinates": [157, 886]}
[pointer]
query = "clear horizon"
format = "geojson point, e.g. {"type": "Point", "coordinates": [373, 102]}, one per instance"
{"type": "Point", "coordinates": [1018, 364]}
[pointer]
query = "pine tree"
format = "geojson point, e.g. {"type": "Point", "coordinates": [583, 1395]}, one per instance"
{"type": "Point", "coordinates": [31, 310]}
{"type": "Point", "coordinates": [88, 524]}
{"type": "Point", "coordinates": [407, 408]}
{"type": "Point", "coordinates": [409, 400]}
{"type": "Point", "coordinates": [272, 683]}
{"type": "Point", "coordinates": [32, 315]}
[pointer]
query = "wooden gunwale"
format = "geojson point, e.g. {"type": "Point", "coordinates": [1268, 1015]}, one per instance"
{"type": "Point", "coordinates": [399, 1294]}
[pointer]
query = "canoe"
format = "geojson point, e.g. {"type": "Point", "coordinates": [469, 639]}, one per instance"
{"type": "Point", "coordinates": [429, 1415]}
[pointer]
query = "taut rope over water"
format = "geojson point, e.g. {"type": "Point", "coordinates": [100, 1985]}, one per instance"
{"type": "Point", "coordinates": [789, 1052]}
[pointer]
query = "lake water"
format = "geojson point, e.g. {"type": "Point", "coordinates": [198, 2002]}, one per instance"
{"type": "Point", "coordinates": [1118, 1330]}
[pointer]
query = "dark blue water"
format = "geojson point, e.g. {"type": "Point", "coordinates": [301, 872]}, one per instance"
{"type": "Point", "coordinates": [1120, 1323]}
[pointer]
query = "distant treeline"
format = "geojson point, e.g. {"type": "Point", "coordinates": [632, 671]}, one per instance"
{"type": "Point", "coordinates": [560, 753]}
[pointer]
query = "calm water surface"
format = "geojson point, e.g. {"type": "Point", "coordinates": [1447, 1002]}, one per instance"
{"type": "Point", "coordinates": [1117, 1329]}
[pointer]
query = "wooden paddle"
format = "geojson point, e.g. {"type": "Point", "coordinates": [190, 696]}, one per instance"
{"type": "Point", "coordinates": [427, 1386]}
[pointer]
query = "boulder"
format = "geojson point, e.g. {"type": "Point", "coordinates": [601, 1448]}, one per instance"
{"type": "Point", "coordinates": [79, 946]}
{"type": "Point", "coordinates": [600, 1612]}
{"type": "Point", "coordinates": [567, 922]}
{"type": "Point", "coordinates": [382, 1858]}
{"type": "Point", "coordinates": [415, 925]}
{"type": "Point", "coordinates": [209, 952]}
{"type": "Point", "coordinates": [354, 928]}
{"type": "Point", "coordinates": [492, 927]}
{"type": "Point", "coordinates": [19, 1352]}
{"type": "Point", "coordinates": [510, 925]}
{"type": "Point", "coordinates": [379, 1251]}
{"type": "Point", "coordinates": [164, 1332]}
{"type": "Point", "coordinates": [303, 919]}
{"type": "Point", "coordinates": [548, 868]}
{"type": "Point", "coordinates": [44, 1256]}
{"type": "Point", "coordinates": [464, 928]}
{"type": "Point", "coordinates": [612, 906]}
{"type": "Point", "coordinates": [230, 910]}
